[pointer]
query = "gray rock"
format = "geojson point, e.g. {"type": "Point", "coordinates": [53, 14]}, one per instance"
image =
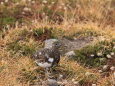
{"type": "Point", "coordinates": [106, 67]}
{"type": "Point", "coordinates": [52, 82]}
{"type": "Point", "coordinates": [72, 45]}
{"type": "Point", "coordinates": [70, 54]}
{"type": "Point", "coordinates": [49, 43]}
{"type": "Point", "coordinates": [112, 68]}
{"type": "Point", "coordinates": [76, 83]}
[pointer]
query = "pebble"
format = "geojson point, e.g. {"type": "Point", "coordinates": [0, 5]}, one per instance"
{"type": "Point", "coordinates": [44, 1]}
{"type": "Point", "coordinates": [52, 82]}
{"type": "Point", "coordinates": [112, 53]}
{"type": "Point", "coordinates": [6, 1]}
{"type": "Point", "coordinates": [92, 55]}
{"type": "Point", "coordinates": [114, 75]}
{"type": "Point", "coordinates": [99, 54]}
{"type": "Point", "coordinates": [87, 73]}
{"type": "Point", "coordinates": [112, 68]}
{"type": "Point", "coordinates": [76, 83]}
{"type": "Point", "coordinates": [100, 71]}
{"type": "Point", "coordinates": [65, 82]}
{"type": "Point", "coordinates": [109, 56]}
{"type": "Point", "coordinates": [94, 85]}
{"type": "Point", "coordinates": [73, 80]}
{"type": "Point", "coordinates": [60, 76]}
{"type": "Point", "coordinates": [2, 3]}
{"type": "Point", "coordinates": [105, 67]}
{"type": "Point", "coordinates": [27, 9]}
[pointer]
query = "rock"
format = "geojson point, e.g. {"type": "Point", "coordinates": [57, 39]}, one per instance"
{"type": "Point", "coordinates": [92, 55]}
{"type": "Point", "coordinates": [113, 47]}
{"type": "Point", "coordinates": [60, 77]}
{"type": "Point", "coordinates": [76, 83]}
{"type": "Point", "coordinates": [114, 75]}
{"type": "Point", "coordinates": [73, 80]}
{"type": "Point", "coordinates": [94, 85]}
{"type": "Point", "coordinates": [100, 71]}
{"type": "Point", "coordinates": [99, 54]}
{"type": "Point", "coordinates": [88, 73]}
{"type": "Point", "coordinates": [65, 82]}
{"type": "Point", "coordinates": [59, 83]}
{"type": "Point", "coordinates": [105, 67]}
{"type": "Point", "coordinates": [49, 42]}
{"type": "Point", "coordinates": [109, 56]}
{"type": "Point", "coordinates": [70, 54]}
{"type": "Point", "coordinates": [112, 68]}
{"type": "Point", "coordinates": [112, 53]}
{"type": "Point", "coordinates": [52, 82]}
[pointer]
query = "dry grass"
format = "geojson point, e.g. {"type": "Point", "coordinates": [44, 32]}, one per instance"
{"type": "Point", "coordinates": [69, 18]}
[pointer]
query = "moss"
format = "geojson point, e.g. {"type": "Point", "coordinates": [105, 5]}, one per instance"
{"type": "Point", "coordinates": [84, 55]}
{"type": "Point", "coordinates": [27, 76]}
{"type": "Point", "coordinates": [50, 32]}
{"type": "Point", "coordinates": [38, 31]}
{"type": "Point", "coordinates": [25, 49]}
{"type": "Point", "coordinates": [28, 50]}
{"type": "Point", "coordinates": [84, 32]}
{"type": "Point", "coordinates": [7, 21]}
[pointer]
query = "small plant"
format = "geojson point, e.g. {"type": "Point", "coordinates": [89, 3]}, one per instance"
{"type": "Point", "coordinates": [48, 32]}
{"type": "Point", "coordinates": [38, 32]}
{"type": "Point", "coordinates": [31, 75]}
{"type": "Point", "coordinates": [95, 55]}
{"type": "Point", "coordinates": [24, 49]}
{"type": "Point", "coordinates": [27, 76]}
{"type": "Point", "coordinates": [7, 21]}
{"type": "Point", "coordinates": [84, 32]}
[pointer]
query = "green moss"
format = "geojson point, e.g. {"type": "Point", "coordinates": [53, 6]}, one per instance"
{"type": "Point", "coordinates": [7, 21]}
{"type": "Point", "coordinates": [24, 49]}
{"type": "Point", "coordinates": [28, 50]}
{"type": "Point", "coordinates": [14, 46]}
{"type": "Point", "coordinates": [84, 55]}
{"type": "Point", "coordinates": [38, 31]}
{"type": "Point", "coordinates": [51, 32]}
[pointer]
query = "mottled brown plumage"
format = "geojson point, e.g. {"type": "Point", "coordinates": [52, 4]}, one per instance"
{"type": "Point", "coordinates": [48, 56]}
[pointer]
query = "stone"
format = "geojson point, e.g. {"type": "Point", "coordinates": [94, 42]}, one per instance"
{"type": "Point", "coordinates": [99, 54]}
{"type": "Point", "coordinates": [94, 85]}
{"type": "Point", "coordinates": [70, 54]}
{"type": "Point", "coordinates": [88, 73]}
{"type": "Point", "coordinates": [112, 68]}
{"type": "Point", "coordinates": [76, 83]}
{"type": "Point", "coordinates": [105, 67]}
{"type": "Point", "coordinates": [114, 75]}
{"type": "Point", "coordinates": [100, 71]}
{"type": "Point", "coordinates": [112, 53]}
{"type": "Point", "coordinates": [109, 56]}
{"type": "Point", "coordinates": [92, 55]}
{"type": "Point", "coordinates": [49, 43]}
{"type": "Point", "coordinates": [52, 82]}
{"type": "Point", "coordinates": [60, 76]}
{"type": "Point", "coordinates": [73, 80]}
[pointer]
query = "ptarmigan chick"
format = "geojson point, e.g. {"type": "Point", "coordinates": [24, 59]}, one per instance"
{"type": "Point", "coordinates": [48, 57]}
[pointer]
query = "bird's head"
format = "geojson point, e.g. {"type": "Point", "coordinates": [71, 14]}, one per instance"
{"type": "Point", "coordinates": [57, 44]}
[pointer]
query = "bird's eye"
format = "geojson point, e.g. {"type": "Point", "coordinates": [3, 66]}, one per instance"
{"type": "Point", "coordinates": [56, 44]}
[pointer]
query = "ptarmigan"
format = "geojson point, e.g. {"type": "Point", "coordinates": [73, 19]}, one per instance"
{"type": "Point", "coordinates": [48, 57]}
